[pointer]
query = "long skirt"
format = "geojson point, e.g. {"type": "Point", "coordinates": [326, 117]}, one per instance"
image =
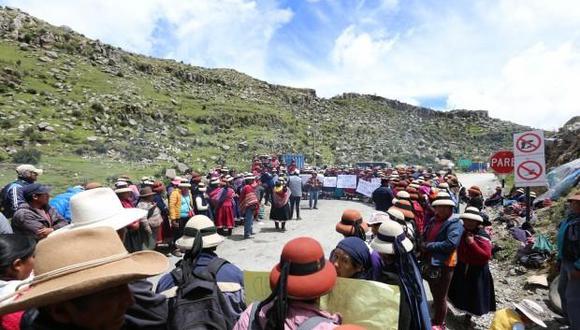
{"type": "Point", "coordinates": [472, 289]}
{"type": "Point", "coordinates": [280, 213]}
{"type": "Point", "coordinates": [224, 217]}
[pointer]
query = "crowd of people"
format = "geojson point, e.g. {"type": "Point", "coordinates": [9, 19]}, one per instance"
{"type": "Point", "coordinates": [81, 259]}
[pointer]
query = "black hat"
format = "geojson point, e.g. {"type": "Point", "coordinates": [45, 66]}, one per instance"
{"type": "Point", "coordinates": [34, 189]}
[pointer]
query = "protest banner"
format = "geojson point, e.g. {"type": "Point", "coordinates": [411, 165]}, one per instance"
{"type": "Point", "coordinates": [370, 304]}
{"type": "Point", "coordinates": [346, 181]}
{"type": "Point", "coordinates": [366, 188]}
{"type": "Point", "coordinates": [330, 182]}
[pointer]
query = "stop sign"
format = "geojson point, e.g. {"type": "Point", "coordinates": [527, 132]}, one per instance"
{"type": "Point", "coordinates": [502, 162]}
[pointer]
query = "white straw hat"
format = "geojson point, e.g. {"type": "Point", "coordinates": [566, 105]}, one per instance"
{"type": "Point", "coordinates": [203, 225]}
{"type": "Point", "coordinates": [378, 217]}
{"type": "Point", "coordinates": [403, 195]}
{"type": "Point", "coordinates": [532, 310]}
{"type": "Point", "coordinates": [471, 213]}
{"type": "Point", "coordinates": [100, 207]}
{"type": "Point", "coordinates": [443, 199]}
{"type": "Point", "coordinates": [389, 232]}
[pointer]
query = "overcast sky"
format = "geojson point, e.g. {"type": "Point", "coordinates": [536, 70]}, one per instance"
{"type": "Point", "coordinates": [519, 59]}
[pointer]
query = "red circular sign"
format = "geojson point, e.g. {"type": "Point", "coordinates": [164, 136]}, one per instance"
{"type": "Point", "coordinates": [530, 170]}
{"type": "Point", "coordinates": [529, 143]}
{"type": "Point", "coordinates": [502, 162]}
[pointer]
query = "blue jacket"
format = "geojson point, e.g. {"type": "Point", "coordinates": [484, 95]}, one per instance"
{"type": "Point", "coordinates": [227, 273]}
{"type": "Point", "coordinates": [446, 241]}
{"type": "Point", "coordinates": [61, 203]}
{"type": "Point", "coordinates": [569, 240]}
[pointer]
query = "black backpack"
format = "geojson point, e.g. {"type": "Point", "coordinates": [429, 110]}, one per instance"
{"type": "Point", "coordinates": [199, 304]}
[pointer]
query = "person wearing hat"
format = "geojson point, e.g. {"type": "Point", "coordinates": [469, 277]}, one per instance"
{"type": "Point", "coordinates": [36, 217]}
{"type": "Point", "coordinates": [160, 201]}
{"type": "Point", "coordinates": [383, 196]}
{"type": "Point", "coordinates": [180, 210]}
{"type": "Point", "coordinates": [495, 199]}
{"type": "Point", "coordinates": [400, 267]}
{"type": "Point", "coordinates": [418, 210]}
{"type": "Point", "coordinates": [280, 211]}
{"type": "Point", "coordinates": [201, 204]}
{"type": "Point", "coordinates": [526, 313]}
{"type": "Point", "coordinates": [439, 253]}
{"type": "Point", "coordinates": [352, 259]}
{"type": "Point", "coordinates": [267, 180]}
{"type": "Point", "coordinates": [249, 204]}
{"type": "Point", "coordinates": [569, 261]}
{"type": "Point", "coordinates": [199, 244]}
{"type": "Point", "coordinates": [151, 223]}
{"type": "Point", "coordinates": [314, 185]}
{"type": "Point", "coordinates": [352, 224]}
{"type": "Point", "coordinates": [222, 201]}
{"type": "Point", "coordinates": [471, 288]}
{"type": "Point", "coordinates": [298, 281]}
{"type": "Point", "coordinates": [11, 195]}
{"type": "Point", "coordinates": [81, 280]}
{"type": "Point", "coordinates": [295, 186]}
{"type": "Point", "coordinates": [474, 197]}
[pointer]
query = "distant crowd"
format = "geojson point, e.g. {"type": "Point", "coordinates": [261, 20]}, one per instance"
{"type": "Point", "coordinates": [81, 260]}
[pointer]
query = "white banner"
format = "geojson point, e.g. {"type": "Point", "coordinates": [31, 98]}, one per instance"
{"type": "Point", "coordinates": [346, 181]}
{"type": "Point", "coordinates": [366, 188]}
{"type": "Point", "coordinates": [330, 182]}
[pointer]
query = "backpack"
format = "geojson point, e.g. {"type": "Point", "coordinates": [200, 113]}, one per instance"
{"type": "Point", "coordinates": [199, 304]}
{"type": "Point", "coordinates": [309, 324]}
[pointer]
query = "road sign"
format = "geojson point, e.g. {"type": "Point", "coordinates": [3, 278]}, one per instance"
{"type": "Point", "coordinates": [529, 143]}
{"type": "Point", "coordinates": [502, 162]}
{"type": "Point", "coordinates": [530, 171]}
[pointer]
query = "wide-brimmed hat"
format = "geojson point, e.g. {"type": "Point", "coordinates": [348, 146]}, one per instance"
{"type": "Point", "coordinates": [403, 195]}
{"type": "Point", "coordinates": [475, 190]}
{"type": "Point", "coordinates": [396, 214]}
{"type": "Point", "coordinates": [471, 213]}
{"type": "Point", "coordinates": [205, 227]}
{"type": "Point", "coordinates": [82, 262]}
{"type": "Point", "coordinates": [378, 217]}
{"type": "Point", "coordinates": [122, 187]}
{"type": "Point", "coordinates": [443, 185]}
{"type": "Point", "coordinates": [443, 199]}
{"type": "Point", "coordinates": [100, 207]}
{"type": "Point", "coordinates": [176, 180]}
{"type": "Point", "coordinates": [21, 170]}
{"type": "Point", "coordinates": [201, 187]}
{"type": "Point", "coordinates": [520, 190]}
{"type": "Point", "coordinates": [146, 191]}
{"type": "Point", "coordinates": [406, 208]}
{"type": "Point", "coordinates": [575, 197]}
{"type": "Point", "coordinates": [348, 221]}
{"type": "Point", "coordinates": [184, 184]}
{"type": "Point", "coordinates": [532, 310]}
{"type": "Point", "coordinates": [158, 187]}
{"type": "Point", "coordinates": [389, 232]}
{"type": "Point", "coordinates": [310, 274]}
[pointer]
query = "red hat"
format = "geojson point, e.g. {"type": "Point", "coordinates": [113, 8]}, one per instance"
{"type": "Point", "coordinates": [406, 208]}
{"type": "Point", "coordinates": [347, 223]}
{"type": "Point", "coordinates": [158, 187]}
{"type": "Point", "coordinates": [475, 190]}
{"type": "Point", "coordinates": [310, 274]}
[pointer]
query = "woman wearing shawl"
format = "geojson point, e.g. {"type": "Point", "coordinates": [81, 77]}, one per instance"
{"type": "Point", "coordinates": [400, 268]}
{"type": "Point", "coordinates": [352, 259]}
{"type": "Point", "coordinates": [280, 211]}
{"type": "Point", "coordinates": [222, 200]}
{"type": "Point", "coordinates": [249, 204]}
{"type": "Point", "coordinates": [471, 287]}
{"type": "Point", "coordinates": [201, 204]}
{"type": "Point", "coordinates": [302, 276]}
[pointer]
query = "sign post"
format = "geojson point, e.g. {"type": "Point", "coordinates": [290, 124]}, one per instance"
{"type": "Point", "coordinates": [530, 163]}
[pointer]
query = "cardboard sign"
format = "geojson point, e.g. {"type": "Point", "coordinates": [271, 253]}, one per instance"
{"type": "Point", "coordinates": [370, 304]}
{"type": "Point", "coordinates": [330, 182]}
{"type": "Point", "coordinates": [346, 181]}
{"type": "Point", "coordinates": [366, 188]}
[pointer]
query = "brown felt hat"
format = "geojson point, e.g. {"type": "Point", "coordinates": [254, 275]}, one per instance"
{"type": "Point", "coordinates": [310, 274]}
{"type": "Point", "coordinates": [348, 220]}
{"type": "Point", "coordinates": [82, 262]}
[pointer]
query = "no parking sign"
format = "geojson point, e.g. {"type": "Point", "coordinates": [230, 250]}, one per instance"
{"type": "Point", "coordinates": [530, 163]}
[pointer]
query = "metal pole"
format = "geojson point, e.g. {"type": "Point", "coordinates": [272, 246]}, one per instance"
{"type": "Point", "coordinates": [528, 204]}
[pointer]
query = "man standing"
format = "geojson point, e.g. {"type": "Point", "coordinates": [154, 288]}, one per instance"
{"type": "Point", "coordinates": [383, 196]}
{"type": "Point", "coordinates": [295, 185]}
{"type": "Point", "coordinates": [36, 217]}
{"type": "Point", "coordinates": [569, 257]}
{"type": "Point", "coordinates": [314, 184]}
{"type": "Point", "coordinates": [11, 195]}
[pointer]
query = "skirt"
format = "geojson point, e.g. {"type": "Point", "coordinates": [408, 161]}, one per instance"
{"type": "Point", "coordinates": [280, 213]}
{"type": "Point", "coordinates": [472, 289]}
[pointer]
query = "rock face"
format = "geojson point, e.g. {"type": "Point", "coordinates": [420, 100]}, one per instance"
{"type": "Point", "coordinates": [99, 99]}
{"type": "Point", "coordinates": [564, 146]}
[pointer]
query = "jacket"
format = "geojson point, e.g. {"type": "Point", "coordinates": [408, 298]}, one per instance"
{"type": "Point", "coordinates": [61, 202]}
{"type": "Point", "coordinates": [477, 252]}
{"type": "Point", "coordinates": [446, 241]}
{"type": "Point", "coordinates": [150, 310]}
{"type": "Point", "coordinates": [175, 204]}
{"type": "Point", "coordinates": [12, 197]}
{"type": "Point", "coordinates": [295, 185]}
{"type": "Point", "coordinates": [569, 240]}
{"type": "Point", "coordinates": [28, 221]}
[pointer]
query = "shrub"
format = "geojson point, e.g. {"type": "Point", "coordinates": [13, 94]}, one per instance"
{"type": "Point", "coordinates": [27, 156]}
